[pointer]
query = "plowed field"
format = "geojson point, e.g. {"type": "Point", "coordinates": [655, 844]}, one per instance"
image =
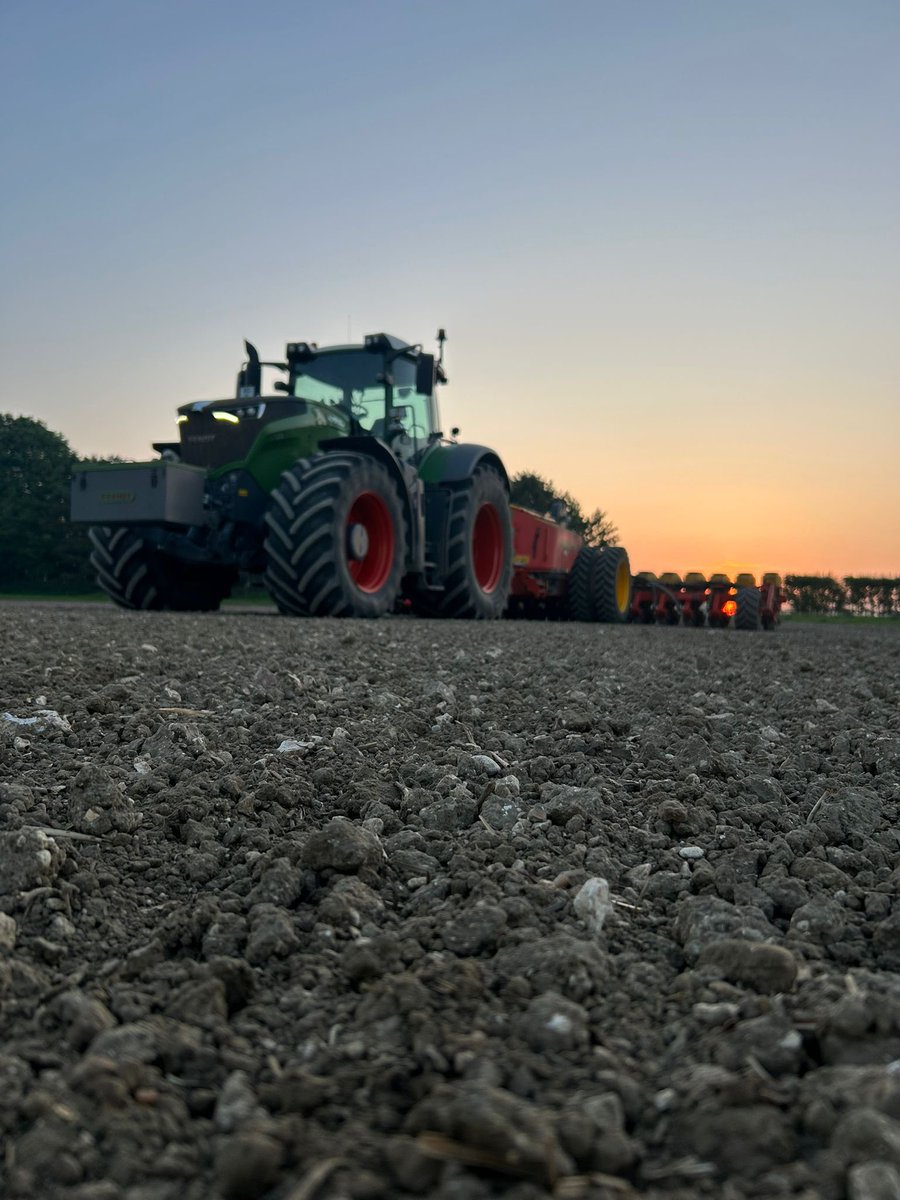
{"type": "Point", "coordinates": [300, 910]}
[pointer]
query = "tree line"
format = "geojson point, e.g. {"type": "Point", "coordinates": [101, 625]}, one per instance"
{"type": "Point", "coordinates": [42, 551]}
{"type": "Point", "coordinates": [860, 595]}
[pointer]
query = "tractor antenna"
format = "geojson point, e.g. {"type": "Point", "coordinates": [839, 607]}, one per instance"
{"type": "Point", "coordinates": [441, 338]}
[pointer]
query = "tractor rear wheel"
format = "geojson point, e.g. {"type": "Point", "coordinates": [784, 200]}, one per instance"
{"type": "Point", "coordinates": [136, 574]}
{"type": "Point", "coordinates": [580, 596]}
{"type": "Point", "coordinates": [747, 612]}
{"type": "Point", "coordinates": [612, 585]}
{"type": "Point", "coordinates": [479, 550]}
{"type": "Point", "coordinates": [336, 541]}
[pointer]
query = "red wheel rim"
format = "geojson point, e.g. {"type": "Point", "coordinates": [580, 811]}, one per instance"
{"type": "Point", "coordinates": [487, 548]}
{"type": "Point", "coordinates": [371, 572]}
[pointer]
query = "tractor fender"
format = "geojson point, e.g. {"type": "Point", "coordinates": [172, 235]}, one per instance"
{"type": "Point", "coordinates": [373, 448]}
{"type": "Point", "coordinates": [454, 463]}
{"type": "Point", "coordinates": [408, 487]}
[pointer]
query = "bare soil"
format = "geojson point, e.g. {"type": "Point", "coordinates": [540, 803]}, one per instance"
{"type": "Point", "coordinates": [294, 910]}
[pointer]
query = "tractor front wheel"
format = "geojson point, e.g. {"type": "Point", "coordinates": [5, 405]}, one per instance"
{"type": "Point", "coordinates": [479, 550]}
{"type": "Point", "coordinates": [136, 574]}
{"type": "Point", "coordinates": [336, 540]}
{"type": "Point", "coordinates": [612, 585]}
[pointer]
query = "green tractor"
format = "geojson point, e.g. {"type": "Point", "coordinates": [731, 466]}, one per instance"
{"type": "Point", "coordinates": [339, 491]}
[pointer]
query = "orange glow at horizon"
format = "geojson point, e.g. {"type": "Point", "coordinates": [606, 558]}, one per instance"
{"type": "Point", "coordinates": [794, 479]}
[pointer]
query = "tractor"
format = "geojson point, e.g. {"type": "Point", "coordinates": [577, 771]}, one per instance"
{"type": "Point", "coordinates": [341, 493]}
{"type": "Point", "coordinates": [338, 490]}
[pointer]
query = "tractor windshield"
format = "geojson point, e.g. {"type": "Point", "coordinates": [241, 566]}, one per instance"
{"type": "Point", "coordinates": [348, 379]}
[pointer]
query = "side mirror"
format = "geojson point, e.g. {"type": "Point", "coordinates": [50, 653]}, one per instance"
{"type": "Point", "coordinates": [280, 386]}
{"type": "Point", "coordinates": [425, 374]}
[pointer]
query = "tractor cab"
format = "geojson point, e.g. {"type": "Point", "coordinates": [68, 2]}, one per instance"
{"type": "Point", "coordinates": [385, 387]}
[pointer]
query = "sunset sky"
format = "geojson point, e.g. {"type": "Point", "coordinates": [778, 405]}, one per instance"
{"type": "Point", "coordinates": [663, 237]}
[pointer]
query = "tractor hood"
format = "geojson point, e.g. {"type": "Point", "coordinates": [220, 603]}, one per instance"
{"type": "Point", "coordinates": [216, 432]}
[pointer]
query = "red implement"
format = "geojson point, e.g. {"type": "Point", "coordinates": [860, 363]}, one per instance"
{"type": "Point", "coordinates": [543, 556]}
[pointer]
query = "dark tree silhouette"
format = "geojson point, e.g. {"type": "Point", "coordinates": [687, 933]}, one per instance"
{"type": "Point", "coordinates": [531, 490]}
{"type": "Point", "coordinates": [39, 548]}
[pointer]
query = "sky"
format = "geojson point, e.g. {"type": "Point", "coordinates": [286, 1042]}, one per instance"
{"type": "Point", "coordinates": [663, 238]}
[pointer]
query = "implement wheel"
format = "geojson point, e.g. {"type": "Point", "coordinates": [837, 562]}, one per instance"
{"type": "Point", "coordinates": [747, 613]}
{"type": "Point", "coordinates": [580, 596]}
{"type": "Point", "coordinates": [136, 574]}
{"type": "Point", "coordinates": [336, 541]}
{"type": "Point", "coordinates": [612, 585]}
{"type": "Point", "coordinates": [479, 550]}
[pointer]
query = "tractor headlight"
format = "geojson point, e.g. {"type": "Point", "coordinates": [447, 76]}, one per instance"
{"type": "Point", "coordinates": [231, 418]}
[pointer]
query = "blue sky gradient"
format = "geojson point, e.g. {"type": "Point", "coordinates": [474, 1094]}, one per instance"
{"type": "Point", "coordinates": [664, 238]}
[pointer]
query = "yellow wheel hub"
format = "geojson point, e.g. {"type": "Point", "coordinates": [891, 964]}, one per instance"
{"type": "Point", "coordinates": [623, 586]}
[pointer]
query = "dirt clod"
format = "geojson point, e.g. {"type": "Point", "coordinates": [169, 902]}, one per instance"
{"type": "Point", "coordinates": [764, 967]}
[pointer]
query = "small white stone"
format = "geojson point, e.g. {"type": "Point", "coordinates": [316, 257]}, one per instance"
{"type": "Point", "coordinates": [49, 718]}
{"type": "Point", "coordinates": [722, 1013]}
{"type": "Point", "coordinates": [592, 903]}
{"type": "Point", "coordinates": [7, 933]}
{"type": "Point", "coordinates": [691, 853]}
{"type": "Point", "coordinates": [236, 1102]}
{"type": "Point", "coordinates": [62, 927]}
